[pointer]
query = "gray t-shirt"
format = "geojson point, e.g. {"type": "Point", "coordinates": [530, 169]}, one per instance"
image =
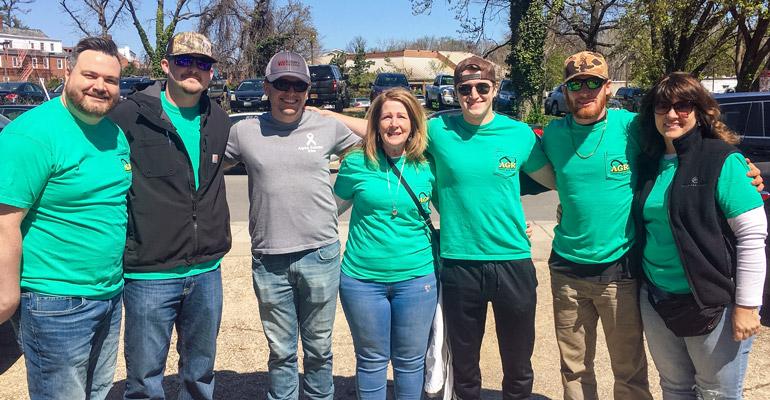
{"type": "Point", "coordinates": [290, 192]}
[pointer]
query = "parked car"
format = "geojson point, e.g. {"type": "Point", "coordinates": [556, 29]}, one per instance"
{"type": "Point", "coordinates": [21, 93]}
{"type": "Point", "coordinates": [555, 102]}
{"type": "Point", "coordinates": [505, 98]}
{"type": "Point", "coordinates": [11, 111]}
{"type": "Point", "coordinates": [421, 99]}
{"type": "Point", "coordinates": [130, 84]}
{"type": "Point", "coordinates": [441, 94]}
{"type": "Point", "coordinates": [218, 90]}
{"type": "Point", "coordinates": [328, 87]}
{"type": "Point", "coordinates": [361, 102]}
{"type": "Point", "coordinates": [56, 92]}
{"type": "Point", "coordinates": [387, 80]}
{"type": "Point", "coordinates": [630, 98]}
{"type": "Point", "coordinates": [748, 115]}
{"type": "Point", "coordinates": [249, 96]}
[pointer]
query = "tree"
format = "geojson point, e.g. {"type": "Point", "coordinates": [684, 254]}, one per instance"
{"type": "Point", "coordinates": [587, 20]}
{"type": "Point", "coordinates": [753, 43]}
{"type": "Point", "coordinates": [9, 10]}
{"type": "Point", "coordinates": [163, 32]}
{"type": "Point", "coordinates": [528, 18]}
{"type": "Point", "coordinates": [359, 77]}
{"type": "Point", "coordinates": [107, 12]}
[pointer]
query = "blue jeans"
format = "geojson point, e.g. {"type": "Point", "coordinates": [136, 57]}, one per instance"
{"type": "Point", "coordinates": [70, 345]}
{"type": "Point", "coordinates": [389, 321]}
{"type": "Point", "coordinates": [297, 292]}
{"type": "Point", "coordinates": [153, 307]}
{"type": "Point", "coordinates": [704, 367]}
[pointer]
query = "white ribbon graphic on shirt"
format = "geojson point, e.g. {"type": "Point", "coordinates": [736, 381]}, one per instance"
{"type": "Point", "coordinates": [310, 140]}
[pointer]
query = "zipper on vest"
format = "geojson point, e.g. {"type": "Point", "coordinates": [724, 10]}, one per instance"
{"type": "Point", "coordinates": [676, 240]}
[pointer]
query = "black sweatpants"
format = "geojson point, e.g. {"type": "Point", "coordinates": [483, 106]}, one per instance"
{"type": "Point", "coordinates": [511, 286]}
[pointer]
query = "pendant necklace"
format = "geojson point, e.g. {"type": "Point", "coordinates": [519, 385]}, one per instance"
{"type": "Point", "coordinates": [393, 209]}
{"type": "Point", "coordinates": [574, 146]}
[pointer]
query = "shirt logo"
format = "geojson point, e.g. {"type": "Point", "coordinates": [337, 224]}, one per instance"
{"type": "Point", "coordinates": [423, 197]}
{"type": "Point", "coordinates": [618, 167]}
{"type": "Point", "coordinates": [310, 145]}
{"type": "Point", "coordinates": [126, 165]}
{"type": "Point", "coordinates": [506, 164]}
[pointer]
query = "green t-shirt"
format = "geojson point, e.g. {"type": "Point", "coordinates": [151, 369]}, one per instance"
{"type": "Point", "coordinates": [187, 121]}
{"type": "Point", "coordinates": [477, 171]}
{"type": "Point", "coordinates": [593, 166]}
{"type": "Point", "coordinates": [382, 247]}
{"type": "Point", "coordinates": [734, 195]}
{"type": "Point", "coordinates": [73, 179]}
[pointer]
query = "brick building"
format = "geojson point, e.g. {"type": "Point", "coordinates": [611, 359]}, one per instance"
{"type": "Point", "coordinates": [29, 54]}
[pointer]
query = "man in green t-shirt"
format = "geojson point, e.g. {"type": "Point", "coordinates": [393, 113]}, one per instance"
{"type": "Point", "coordinates": [179, 224]}
{"type": "Point", "coordinates": [593, 151]}
{"type": "Point", "coordinates": [64, 174]}
{"type": "Point", "coordinates": [478, 157]}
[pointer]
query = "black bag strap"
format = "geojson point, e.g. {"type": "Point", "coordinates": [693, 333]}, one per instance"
{"type": "Point", "coordinates": [423, 214]}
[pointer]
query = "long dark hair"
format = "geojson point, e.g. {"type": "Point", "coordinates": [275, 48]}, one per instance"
{"type": "Point", "coordinates": [681, 86]}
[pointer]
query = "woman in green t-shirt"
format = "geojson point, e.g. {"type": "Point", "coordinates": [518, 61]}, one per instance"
{"type": "Point", "coordinates": [703, 234]}
{"type": "Point", "coordinates": [388, 285]}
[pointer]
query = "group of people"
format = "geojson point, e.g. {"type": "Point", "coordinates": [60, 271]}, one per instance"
{"type": "Point", "coordinates": [107, 206]}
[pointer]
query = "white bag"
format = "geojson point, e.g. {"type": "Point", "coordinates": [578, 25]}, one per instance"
{"type": "Point", "coordinates": [438, 360]}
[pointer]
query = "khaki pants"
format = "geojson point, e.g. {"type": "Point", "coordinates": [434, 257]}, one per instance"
{"type": "Point", "coordinates": [578, 304]}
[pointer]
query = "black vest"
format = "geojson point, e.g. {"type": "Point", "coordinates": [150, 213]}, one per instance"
{"type": "Point", "coordinates": [704, 240]}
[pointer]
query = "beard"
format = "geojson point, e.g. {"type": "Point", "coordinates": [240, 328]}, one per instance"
{"type": "Point", "coordinates": [591, 112]}
{"type": "Point", "coordinates": [87, 105]}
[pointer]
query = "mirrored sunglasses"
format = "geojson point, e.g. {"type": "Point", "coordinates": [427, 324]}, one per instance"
{"type": "Point", "coordinates": [186, 61]}
{"type": "Point", "coordinates": [575, 85]}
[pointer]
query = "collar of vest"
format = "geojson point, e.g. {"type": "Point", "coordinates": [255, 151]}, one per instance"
{"type": "Point", "coordinates": [689, 141]}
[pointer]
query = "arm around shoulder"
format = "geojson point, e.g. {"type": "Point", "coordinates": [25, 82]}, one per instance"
{"type": "Point", "coordinates": [10, 256]}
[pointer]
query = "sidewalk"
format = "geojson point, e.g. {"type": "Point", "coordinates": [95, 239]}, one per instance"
{"type": "Point", "coordinates": [242, 357]}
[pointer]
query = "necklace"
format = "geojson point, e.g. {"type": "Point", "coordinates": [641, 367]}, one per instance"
{"type": "Point", "coordinates": [574, 146]}
{"type": "Point", "coordinates": [393, 209]}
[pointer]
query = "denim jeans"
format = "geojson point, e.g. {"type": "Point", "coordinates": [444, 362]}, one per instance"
{"type": "Point", "coordinates": [70, 345]}
{"type": "Point", "coordinates": [297, 293]}
{"type": "Point", "coordinates": [389, 321]}
{"type": "Point", "coordinates": [153, 307]}
{"type": "Point", "coordinates": [707, 367]}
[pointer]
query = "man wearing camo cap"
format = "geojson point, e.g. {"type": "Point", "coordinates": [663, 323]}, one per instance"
{"type": "Point", "coordinates": [593, 151]}
{"type": "Point", "coordinates": [293, 226]}
{"type": "Point", "coordinates": [179, 226]}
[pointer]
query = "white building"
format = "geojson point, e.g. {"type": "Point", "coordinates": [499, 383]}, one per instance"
{"type": "Point", "coordinates": [126, 52]}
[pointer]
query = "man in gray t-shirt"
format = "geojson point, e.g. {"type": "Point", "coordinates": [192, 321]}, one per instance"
{"type": "Point", "coordinates": [293, 225]}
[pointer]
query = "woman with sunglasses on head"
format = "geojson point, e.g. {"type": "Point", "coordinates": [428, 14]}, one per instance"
{"type": "Point", "coordinates": [388, 285]}
{"type": "Point", "coordinates": [703, 237]}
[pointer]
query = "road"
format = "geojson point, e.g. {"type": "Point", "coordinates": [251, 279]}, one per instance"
{"type": "Point", "coordinates": [538, 208]}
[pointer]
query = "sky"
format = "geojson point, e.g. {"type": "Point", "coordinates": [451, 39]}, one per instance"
{"type": "Point", "coordinates": [337, 21]}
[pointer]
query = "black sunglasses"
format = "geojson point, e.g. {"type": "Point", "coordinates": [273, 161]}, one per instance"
{"type": "Point", "coordinates": [481, 87]}
{"type": "Point", "coordinates": [284, 85]}
{"type": "Point", "coordinates": [186, 61]}
{"type": "Point", "coordinates": [681, 108]}
{"type": "Point", "coordinates": [575, 85]}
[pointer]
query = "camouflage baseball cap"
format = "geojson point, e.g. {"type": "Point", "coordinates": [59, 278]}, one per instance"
{"type": "Point", "coordinates": [190, 43]}
{"type": "Point", "coordinates": [585, 63]}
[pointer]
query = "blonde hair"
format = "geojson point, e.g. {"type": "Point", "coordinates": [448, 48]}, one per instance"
{"type": "Point", "coordinates": [418, 137]}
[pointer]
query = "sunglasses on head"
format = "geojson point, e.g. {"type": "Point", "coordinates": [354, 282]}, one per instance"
{"type": "Point", "coordinates": [186, 61]}
{"type": "Point", "coordinates": [681, 108]}
{"type": "Point", "coordinates": [284, 85]}
{"type": "Point", "coordinates": [574, 85]}
{"type": "Point", "coordinates": [466, 88]}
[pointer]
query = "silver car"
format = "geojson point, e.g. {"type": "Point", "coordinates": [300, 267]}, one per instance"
{"type": "Point", "coordinates": [556, 103]}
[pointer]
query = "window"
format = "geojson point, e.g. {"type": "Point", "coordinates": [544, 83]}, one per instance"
{"type": "Point", "coordinates": [16, 62]}
{"type": "Point", "coordinates": [32, 45]}
{"type": "Point", "coordinates": [59, 63]}
{"type": "Point", "coordinates": [735, 116]}
{"type": "Point", "coordinates": [42, 46]}
{"type": "Point", "coordinates": [34, 62]}
{"type": "Point", "coordinates": [52, 48]}
{"type": "Point", "coordinates": [754, 122]}
{"type": "Point", "coordinates": [45, 63]}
